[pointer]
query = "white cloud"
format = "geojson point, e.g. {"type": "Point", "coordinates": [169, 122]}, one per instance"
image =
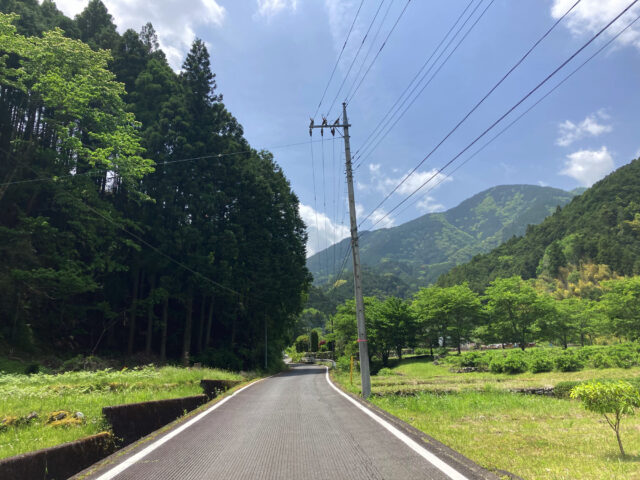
{"type": "Point", "coordinates": [269, 8]}
{"type": "Point", "coordinates": [592, 15]}
{"type": "Point", "coordinates": [322, 234]}
{"type": "Point", "coordinates": [570, 132]}
{"type": "Point", "coordinates": [381, 216]}
{"type": "Point", "coordinates": [588, 166]}
{"type": "Point", "coordinates": [173, 21]}
{"type": "Point", "coordinates": [543, 184]}
{"type": "Point", "coordinates": [430, 205]}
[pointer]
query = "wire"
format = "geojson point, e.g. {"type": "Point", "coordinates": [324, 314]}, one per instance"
{"type": "Point", "coordinates": [315, 208]}
{"type": "Point", "coordinates": [170, 162]}
{"type": "Point", "coordinates": [350, 97]}
{"type": "Point", "coordinates": [511, 109]}
{"type": "Point", "coordinates": [354, 58]}
{"type": "Point", "coordinates": [435, 74]}
{"type": "Point", "coordinates": [371, 45]}
{"type": "Point", "coordinates": [416, 76]}
{"type": "Point", "coordinates": [338, 60]}
{"type": "Point", "coordinates": [517, 119]}
{"type": "Point", "coordinates": [504, 77]}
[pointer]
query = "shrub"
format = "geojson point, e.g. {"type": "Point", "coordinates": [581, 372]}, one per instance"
{"type": "Point", "coordinates": [497, 365]}
{"type": "Point", "coordinates": [302, 343]}
{"type": "Point", "coordinates": [343, 364]}
{"type": "Point", "coordinates": [313, 341]}
{"type": "Point", "coordinates": [601, 360]}
{"type": "Point", "coordinates": [563, 389]}
{"type": "Point", "coordinates": [219, 358]}
{"type": "Point", "coordinates": [541, 363]}
{"type": "Point", "coordinates": [515, 363]}
{"type": "Point", "coordinates": [568, 362]}
{"type": "Point", "coordinates": [385, 371]}
{"type": "Point", "coordinates": [613, 400]}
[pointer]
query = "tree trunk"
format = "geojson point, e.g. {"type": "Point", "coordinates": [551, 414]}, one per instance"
{"type": "Point", "coordinates": [152, 286]}
{"type": "Point", "coordinates": [134, 304]}
{"type": "Point", "coordinates": [207, 338]}
{"type": "Point", "coordinates": [163, 339]}
{"type": "Point", "coordinates": [200, 339]}
{"type": "Point", "coordinates": [186, 343]}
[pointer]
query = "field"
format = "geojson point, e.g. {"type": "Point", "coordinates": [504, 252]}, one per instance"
{"type": "Point", "coordinates": [533, 436]}
{"type": "Point", "coordinates": [85, 392]}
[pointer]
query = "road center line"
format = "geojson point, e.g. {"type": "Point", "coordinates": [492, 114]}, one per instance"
{"type": "Point", "coordinates": [412, 444]}
{"type": "Point", "coordinates": [143, 453]}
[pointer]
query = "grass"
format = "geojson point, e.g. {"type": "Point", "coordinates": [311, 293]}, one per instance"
{"type": "Point", "coordinates": [535, 437]}
{"type": "Point", "coordinates": [85, 392]}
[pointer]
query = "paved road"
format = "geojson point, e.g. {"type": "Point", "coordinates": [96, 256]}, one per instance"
{"type": "Point", "coordinates": [291, 426]}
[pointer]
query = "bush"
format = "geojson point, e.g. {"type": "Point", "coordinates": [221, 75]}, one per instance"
{"type": "Point", "coordinates": [343, 364]}
{"type": "Point", "coordinates": [601, 360]}
{"type": "Point", "coordinates": [385, 372]}
{"type": "Point", "coordinates": [515, 363]}
{"type": "Point", "coordinates": [302, 343]}
{"type": "Point", "coordinates": [220, 358]}
{"type": "Point", "coordinates": [313, 341]}
{"type": "Point", "coordinates": [563, 389]}
{"type": "Point", "coordinates": [497, 365]}
{"type": "Point", "coordinates": [568, 362]}
{"type": "Point", "coordinates": [541, 364]}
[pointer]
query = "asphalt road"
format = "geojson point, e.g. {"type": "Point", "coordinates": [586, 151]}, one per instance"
{"type": "Point", "coordinates": [291, 426]}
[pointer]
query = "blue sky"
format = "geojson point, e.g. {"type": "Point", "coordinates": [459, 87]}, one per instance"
{"type": "Point", "coordinates": [273, 59]}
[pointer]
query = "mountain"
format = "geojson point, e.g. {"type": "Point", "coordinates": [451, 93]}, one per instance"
{"type": "Point", "coordinates": [600, 226]}
{"type": "Point", "coordinates": [419, 251]}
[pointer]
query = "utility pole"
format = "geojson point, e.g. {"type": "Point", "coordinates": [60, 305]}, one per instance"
{"type": "Point", "coordinates": [357, 273]}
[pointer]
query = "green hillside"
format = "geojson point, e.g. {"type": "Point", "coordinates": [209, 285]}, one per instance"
{"type": "Point", "coordinates": [419, 251]}
{"type": "Point", "coordinates": [600, 226]}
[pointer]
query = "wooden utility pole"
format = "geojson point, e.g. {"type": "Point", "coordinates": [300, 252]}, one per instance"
{"type": "Point", "coordinates": [357, 273]}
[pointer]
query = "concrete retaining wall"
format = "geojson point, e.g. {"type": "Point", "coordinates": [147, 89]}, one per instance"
{"type": "Point", "coordinates": [59, 462]}
{"type": "Point", "coordinates": [133, 421]}
{"type": "Point", "coordinates": [212, 388]}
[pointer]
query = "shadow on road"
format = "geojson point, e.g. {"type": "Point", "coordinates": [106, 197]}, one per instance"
{"type": "Point", "coordinates": [303, 369]}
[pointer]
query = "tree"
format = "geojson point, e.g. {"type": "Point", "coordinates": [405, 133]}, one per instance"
{"type": "Point", "coordinates": [621, 302]}
{"type": "Point", "coordinates": [393, 327]}
{"type": "Point", "coordinates": [96, 26]}
{"type": "Point", "coordinates": [613, 400]}
{"type": "Point", "coordinates": [514, 308]}
{"type": "Point", "coordinates": [313, 341]}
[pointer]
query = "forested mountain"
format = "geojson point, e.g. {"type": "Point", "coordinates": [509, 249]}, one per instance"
{"type": "Point", "coordinates": [419, 251]}
{"type": "Point", "coordinates": [134, 216]}
{"type": "Point", "coordinates": [601, 226]}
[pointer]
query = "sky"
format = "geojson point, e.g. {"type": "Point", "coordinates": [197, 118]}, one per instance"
{"type": "Point", "coordinates": [274, 58]}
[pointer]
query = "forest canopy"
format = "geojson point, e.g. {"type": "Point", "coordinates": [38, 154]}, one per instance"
{"type": "Point", "coordinates": [135, 218]}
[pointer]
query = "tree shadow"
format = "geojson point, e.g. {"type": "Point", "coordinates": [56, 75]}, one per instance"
{"type": "Point", "coordinates": [626, 459]}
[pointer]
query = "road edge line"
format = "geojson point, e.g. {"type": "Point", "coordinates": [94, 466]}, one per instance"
{"type": "Point", "coordinates": [412, 444]}
{"type": "Point", "coordinates": [121, 467]}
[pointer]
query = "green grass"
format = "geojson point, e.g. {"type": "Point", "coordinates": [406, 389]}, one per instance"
{"type": "Point", "coordinates": [532, 436]}
{"type": "Point", "coordinates": [86, 392]}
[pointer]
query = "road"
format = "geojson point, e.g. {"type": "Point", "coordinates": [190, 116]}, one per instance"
{"type": "Point", "coordinates": [295, 425]}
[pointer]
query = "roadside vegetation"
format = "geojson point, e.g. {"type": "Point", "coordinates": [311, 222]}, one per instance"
{"type": "Point", "coordinates": [480, 415]}
{"type": "Point", "coordinates": [30, 404]}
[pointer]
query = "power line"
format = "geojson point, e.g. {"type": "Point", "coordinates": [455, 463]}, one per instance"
{"type": "Point", "coordinates": [416, 75]}
{"type": "Point", "coordinates": [170, 162]}
{"type": "Point", "coordinates": [355, 57]}
{"type": "Point", "coordinates": [504, 77]}
{"type": "Point", "coordinates": [517, 119]}
{"type": "Point", "coordinates": [315, 207]}
{"type": "Point", "coordinates": [371, 45]}
{"type": "Point", "coordinates": [350, 97]}
{"type": "Point", "coordinates": [435, 74]}
{"type": "Point", "coordinates": [511, 109]}
{"type": "Point", "coordinates": [338, 60]}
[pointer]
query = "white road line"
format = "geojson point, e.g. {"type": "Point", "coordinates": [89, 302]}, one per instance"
{"type": "Point", "coordinates": [413, 445]}
{"type": "Point", "coordinates": [143, 453]}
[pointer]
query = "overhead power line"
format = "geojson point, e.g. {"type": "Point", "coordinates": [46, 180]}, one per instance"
{"type": "Point", "coordinates": [523, 99]}
{"type": "Point", "coordinates": [455, 128]}
{"type": "Point", "coordinates": [385, 116]}
{"type": "Point", "coordinates": [338, 60]}
{"type": "Point", "coordinates": [371, 148]}
{"type": "Point", "coordinates": [351, 96]}
{"type": "Point", "coordinates": [519, 117]}
{"type": "Point", "coordinates": [169, 162]}
{"type": "Point", "coordinates": [364, 39]}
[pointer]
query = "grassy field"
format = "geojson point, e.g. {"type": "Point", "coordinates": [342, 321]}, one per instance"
{"type": "Point", "coordinates": [85, 392]}
{"type": "Point", "coordinates": [535, 437]}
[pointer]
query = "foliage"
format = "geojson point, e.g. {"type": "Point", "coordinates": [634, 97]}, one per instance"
{"type": "Point", "coordinates": [313, 341]}
{"type": "Point", "coordinates": [568, 362]}
{"type": "Point", "coordinates": [612, 400]}
{"type": "Point", "coordinates": [97, 212]}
